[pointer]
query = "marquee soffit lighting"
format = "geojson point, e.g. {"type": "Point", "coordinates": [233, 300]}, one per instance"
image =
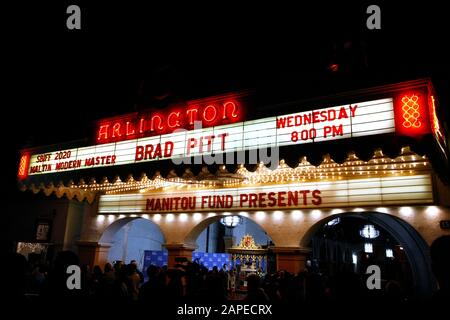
{"type": "Point", "coordinates": [407, 163]}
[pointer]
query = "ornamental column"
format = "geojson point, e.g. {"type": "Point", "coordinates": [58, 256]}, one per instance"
{"type": "Point", "coordinates": [291, 259]}
{"type": "Point", "coordinates": [177, 252]}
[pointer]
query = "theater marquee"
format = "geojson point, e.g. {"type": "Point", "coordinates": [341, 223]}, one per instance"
{"type": "Point", "coordinates": [405, 114]}
{"type": "Point", "coordinates": [340, 193]}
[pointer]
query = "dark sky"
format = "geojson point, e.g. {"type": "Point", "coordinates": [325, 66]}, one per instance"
{"type": "Point", "coordinates": [57, 81]}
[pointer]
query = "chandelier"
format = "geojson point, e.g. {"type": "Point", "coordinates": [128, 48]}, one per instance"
{"type": "Point", "coordinates": [231, 221]}
{"type": "Point", "coordinates": [369, 232]}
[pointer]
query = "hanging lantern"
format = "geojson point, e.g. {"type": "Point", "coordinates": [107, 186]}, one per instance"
{"type": "Point", "coordinates": [231, 221]}
{"type": "Point", "coordinates": [369, 232]}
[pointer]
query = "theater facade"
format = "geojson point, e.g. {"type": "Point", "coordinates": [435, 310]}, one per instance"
{"type": "Point", "coordinates": [378, 155]}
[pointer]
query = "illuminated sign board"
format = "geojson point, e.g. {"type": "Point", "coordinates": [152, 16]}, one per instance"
{"type": "Point", "coordinates": [359, 119]}
{"type": "Point", "coordinates": [340, 193]}
{"type": "Point", "coordinates": [208, 112]}
{"type": "Point", "coordinates": [411, 110]}
{"type": "Point", "coordinates": [405, 114]}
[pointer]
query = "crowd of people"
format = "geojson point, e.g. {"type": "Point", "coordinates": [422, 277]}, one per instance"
{"type": "Point", "coordinates": [192, 283]}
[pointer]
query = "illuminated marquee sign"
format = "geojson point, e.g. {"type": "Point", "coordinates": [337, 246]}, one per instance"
{"type": "Point", "coordinates": [411, 110]}
{"type": "Point", "coordinates": [405, 114]}
{"type": "Point", "coordinates": [208, 112]}
{"type": "Point", "coordinates": [341, 193]}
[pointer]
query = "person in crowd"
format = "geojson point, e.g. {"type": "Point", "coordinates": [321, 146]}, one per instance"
{"type": "Point", "coordinates": [440, 264]}
{"type": "Point", "coordinates": [133, 281]}
{"type": "Point", "coordinates": [141, 275]}
{"type": "Point", "coordinates": [255, 294]}
{"type": "Point", "coordinates": [14, 279]}
{"type": "Point", "coordinates": [96, 279]}
{"type": "Point", "coordinates": [153, 290]}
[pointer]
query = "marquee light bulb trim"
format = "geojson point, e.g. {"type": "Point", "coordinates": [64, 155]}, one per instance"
{"type": "Point", "coordinates": [406, 164]}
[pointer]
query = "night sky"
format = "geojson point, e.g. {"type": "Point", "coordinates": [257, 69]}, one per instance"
{"type": "Point", "coordinates": [127, 57]}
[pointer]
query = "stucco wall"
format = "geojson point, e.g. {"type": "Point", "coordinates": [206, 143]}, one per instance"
{"type": "Point", "coordinates": [289, 228]}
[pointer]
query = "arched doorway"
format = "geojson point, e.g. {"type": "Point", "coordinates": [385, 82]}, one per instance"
{"type": "Point", "coordinates": [217, 237]}
{"type": "Point", "coordinates": [135, 239]}
{"type": "Point", "coordinates": [350, 242]}
{"type": "Point", "coordinates": [232, 246]}
{"type": "Point", "coordinates": [214, 239]}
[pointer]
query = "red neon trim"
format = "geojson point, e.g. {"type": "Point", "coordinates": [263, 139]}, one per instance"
{"type": "Point", "coordinates": [116, 129]}
{"type": "Point", "coordinates": [152, 123]}
{"type": "Point", "coordinates": [103, 131]}
{"type": "Point", "coordinates": [411, 113]}
{"type": "Point", "coordinates": [233, 114]}
{"type": "Point", "coordinates": [23, 166]}
{"type": "Point", "coordinates": [129, 132]}
{"type": "Point", "coordinates": [191, 115]}
{"type": "Point", "coordinates": [214, 111]}
{"type": "Point", "coordinates": [177, 121]}
{"type": "Point", "coordinates": [205, 112]}
{"type": "Point", "coordinates": [141, 125]}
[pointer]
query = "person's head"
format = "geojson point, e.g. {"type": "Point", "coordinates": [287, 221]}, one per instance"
{"type": "Point", "coordinates": [253, 282]}
{"type": "Point", "coordinates": [118, 264]}
{"type": "Point", "coordinates": [131, 268]}
{"type": "Point", "coordinates": [108, 267]}
{"type": "Point", "coordinates": [152, 271]}
{"type": "Point", "coordinates": [440, 260]}
{"type": "Point", "coordinates": [97, 270]}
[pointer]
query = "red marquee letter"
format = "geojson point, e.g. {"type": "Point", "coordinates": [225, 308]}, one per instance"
{"type": "Point", "coordinates": [103, 132]}
{"type": "Point", "coordinates": [129, 131]}
{"type": "Point", "coordinates": [152, 125]}
{"type": "Point", "coordinates": [228, 105]}
{"type": "Point", "coordinates": [205, 113]}
{"type": "Point", "coordinates": [177, 119]}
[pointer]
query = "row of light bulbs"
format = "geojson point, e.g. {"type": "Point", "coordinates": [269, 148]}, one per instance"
{"type": "Point", "coordinates": [407, 163]}
{"type": "Point", "coordinates": [407, 212]}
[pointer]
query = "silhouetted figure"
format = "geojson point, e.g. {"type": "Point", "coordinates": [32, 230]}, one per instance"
{"type": "Point", "coordinates": [255, 294]}
{"type": "Point", "coordinates": [95, 281]}
{"type": "Point", "coordinates": [132, 281]}
{"type": "Point", "coordinates": [394, 292]}
{"type": "Point", "coordinates": [152, 292]}
{"type": "Point", "coordinates": [440, 264]}
{"type": "Point", "coordinates": [175, 285]}
{"type": "Point", "coordinates": [56, 289]}
{"type": "Point", "coordinates": [107, 283]}
{"type": "Point", "coordinates": [14, 278]}
{"type": "Point", "coordinates": [141, 275]}
{"type": "Point", "coordinates": [215, 289]}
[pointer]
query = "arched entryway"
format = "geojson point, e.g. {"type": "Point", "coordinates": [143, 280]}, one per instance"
{"type": "Point", "coordinates": [134, 238]}
{"type": "Point", "coordinates": [350, 242]}
{"type": "Point", "coordinates": [214, 235]}
{"type": "Point", "coordinates": [235, 246]}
